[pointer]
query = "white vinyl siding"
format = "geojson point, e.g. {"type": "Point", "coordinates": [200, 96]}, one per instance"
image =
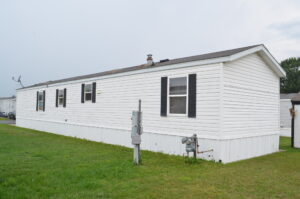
{"type": "Point", "coordinates": [250, 98]}
{"type": "Point", "coordinates": [117, 97]}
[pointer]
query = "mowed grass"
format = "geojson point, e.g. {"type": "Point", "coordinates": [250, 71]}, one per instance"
{"type": "Point", "coordinates": [39, 165]}
{"type": "Point", "coordinates": [3, 118]}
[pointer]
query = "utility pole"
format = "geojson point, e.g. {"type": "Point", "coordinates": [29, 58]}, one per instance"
{"type": "Point", "coordinates": [136, 133]}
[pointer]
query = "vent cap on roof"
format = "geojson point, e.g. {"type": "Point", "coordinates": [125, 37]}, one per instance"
{"type": "Point", "coordinates": [149, 59]}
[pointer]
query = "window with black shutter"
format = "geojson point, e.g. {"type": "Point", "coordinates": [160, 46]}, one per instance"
{"type": "Point", "coordinates": [61, 95]}
{"type": "Point", "coordinates": [88, 93]}
{"type": "Point", "coordinates": [178, 95]}
{"type": "Point", "coordinates": [40, 101]}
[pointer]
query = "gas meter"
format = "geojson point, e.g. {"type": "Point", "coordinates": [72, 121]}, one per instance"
{"type": "Point", "coordinates": [191, 144]}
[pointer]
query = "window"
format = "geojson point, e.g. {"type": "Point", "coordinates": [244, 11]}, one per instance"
{"type": "Point", "coordinates": [40, 101]}
{"type": "Point", "coordinates": [61, 97]}
{"type": "Point", "coordinates": [88, 92]}
{"type": "Point", "coordinates": [178, 95]}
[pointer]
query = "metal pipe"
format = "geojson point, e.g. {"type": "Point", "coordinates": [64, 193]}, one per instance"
{"type": "Point", "coordinates": [205, 151]}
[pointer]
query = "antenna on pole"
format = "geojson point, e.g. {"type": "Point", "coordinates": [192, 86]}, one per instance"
{"type": "Point", "coordinates": [18, 81]}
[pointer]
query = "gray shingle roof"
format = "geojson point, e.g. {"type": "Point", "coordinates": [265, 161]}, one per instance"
{"type": "Point", "coordinates": [213, 55]}
{"type": "Point", "coordinates": [3, 98]}
{"type": "Point", "coordinates": [296, 98]}
{"type": "Point", "coordinates": [287, 95]}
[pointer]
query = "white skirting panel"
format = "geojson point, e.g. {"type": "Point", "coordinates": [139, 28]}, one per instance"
{"type": "Point", "coordinates": [226, 151]}
{"type": "Point", "coordinates": [244, 148]}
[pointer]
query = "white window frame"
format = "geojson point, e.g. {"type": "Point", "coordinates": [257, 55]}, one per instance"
{"type": "Point", "coordinates": [63, 97]}
{"type": "Point", "coordinates": [181, 95]}
{"type": "Point", "coordinates": [88, 92]}
{"type": "Point", "coordinates": [42, 100]}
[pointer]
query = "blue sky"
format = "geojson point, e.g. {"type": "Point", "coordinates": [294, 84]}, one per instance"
{"type": "Point", "coordinates": [52, 39]}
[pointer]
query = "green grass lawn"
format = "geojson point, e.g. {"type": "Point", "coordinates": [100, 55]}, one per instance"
{"type": "Point", "coordinates": [39, 165]}
{"type": "Point", "coordinates": [3, 118]}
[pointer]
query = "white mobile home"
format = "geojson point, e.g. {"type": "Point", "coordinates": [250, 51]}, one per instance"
{"type": "Point", "coordinates": [230, 99]}
{"type": "Point", "coordinates": [285, 116]}
{"type": "Point", "coordinates": [8, 104]}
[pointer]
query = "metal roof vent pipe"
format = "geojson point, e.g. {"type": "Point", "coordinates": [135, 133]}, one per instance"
{"type": "Point", "coordinates": [150, 60]}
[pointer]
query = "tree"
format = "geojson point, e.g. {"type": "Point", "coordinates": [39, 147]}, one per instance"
{"type": "Point", "coordinates": [291, 83]}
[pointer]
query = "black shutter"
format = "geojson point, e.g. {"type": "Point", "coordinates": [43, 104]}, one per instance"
{"type": "Point", "coordinates": [65, 97]}
{"type": "Point", "coordinates": [164, 96]}
{"type": "Point", "coordinates": [44, 104]}
{"type": "Point", "coordinates": [56, 99]}
{"type": "Point", "coordinates": [192, 95]}
{"type": "Point", "coordinates": [37, 101]}
{"type": "Point", "coordinates": [94, 93]}
{"type": "Point", "coordinates": [82, 93]}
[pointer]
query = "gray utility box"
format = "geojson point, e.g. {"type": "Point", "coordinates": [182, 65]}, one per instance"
{"type": "Point", "coordinates": [136, 130]}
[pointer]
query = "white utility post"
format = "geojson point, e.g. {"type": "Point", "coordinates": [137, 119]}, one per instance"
{"type": "Point", "coordinates": [136, 133]}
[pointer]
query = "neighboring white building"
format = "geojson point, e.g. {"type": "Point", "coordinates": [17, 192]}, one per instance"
{"type": "Point", "coordinates": [8, 104]}
{"type": "Point", "coordinates": [285, 116]}
{"type": "Point", "coordinates": [296, 121]}
{"type": "Point", "coordinates": [230, 99]}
